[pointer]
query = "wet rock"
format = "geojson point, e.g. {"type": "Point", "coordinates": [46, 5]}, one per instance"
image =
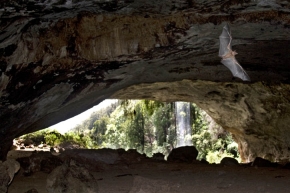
{"type": "Point", "coordinates": [183, 154]}
{"type": "Point", "coordinates": [229, 161]}
{"type": "Point", "coordinates": [71, 178]}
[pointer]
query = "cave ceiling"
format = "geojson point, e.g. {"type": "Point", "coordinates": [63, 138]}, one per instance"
{"type": "Point", "coordinates": [59, 58]}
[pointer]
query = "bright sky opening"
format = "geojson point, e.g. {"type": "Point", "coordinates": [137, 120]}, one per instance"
{"type": "Point", "coordinates": [68, 124]}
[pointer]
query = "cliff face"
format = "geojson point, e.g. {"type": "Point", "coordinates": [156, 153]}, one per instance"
{"type": "Point", "coordinates": [59, 58]}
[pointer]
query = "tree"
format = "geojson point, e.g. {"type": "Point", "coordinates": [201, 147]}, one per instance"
{"type": "Point", "coordinates": [164, 121]}
{"type": "Point", "coordinates": [136, 129]}
{"type": "Point", "coordinates": [149, 127]}
{"type": "Point", "coordinates": [99, 129]}
{"type": "Point", "coordinates": [211, 141]}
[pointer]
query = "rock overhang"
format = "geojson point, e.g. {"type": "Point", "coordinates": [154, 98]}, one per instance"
{"type": "Point", "coordinates": [58, 60]}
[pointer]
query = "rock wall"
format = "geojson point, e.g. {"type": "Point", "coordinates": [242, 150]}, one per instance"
{"type": "Point", "coordinates": [257, 114]}
{"type": "Point", "coordinates": [59, 58]}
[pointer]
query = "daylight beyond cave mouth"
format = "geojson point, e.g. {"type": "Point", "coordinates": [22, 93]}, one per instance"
{"type": "Point", "coordinates": [148, 126]}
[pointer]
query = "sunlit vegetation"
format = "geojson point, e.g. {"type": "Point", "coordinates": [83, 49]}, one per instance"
{"type": "Point", "coordinates": [54, 138]}
{"type": "Point", "coordinates": [148, 126]}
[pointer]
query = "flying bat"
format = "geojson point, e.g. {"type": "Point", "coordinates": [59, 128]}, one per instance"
{"type": "Point", "coordinates": [228, 55]}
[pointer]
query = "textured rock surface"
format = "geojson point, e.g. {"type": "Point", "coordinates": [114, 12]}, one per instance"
{"type": "Point", "coordinates": [59, 58]}
{"type": "Point", "coordinates": [39, 161]}
{"type": "Point", "coordinates": [7, 171]}
{"type": "Point", "coordinates": [12, 167]}
{"type": "Point", "coordinates": [150, 175]}
{"type": "Point", "coordinates": [71, 179]}
{"type": "Point", "coordinates": [4, 179]}
{"type": "Point", "coordinates": [260, 162]}
{"type": "Point", "coordinates": [229, 161]}
{"type": "Point", "coordinates": [183, 154]}
{"type": "Point", "coordinates": [256, 114]}
{"type": "Point", "coordinates": [100, 159]}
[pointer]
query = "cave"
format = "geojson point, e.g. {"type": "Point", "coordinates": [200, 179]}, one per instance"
{"type": "Point", "coordinates": [59, 58]}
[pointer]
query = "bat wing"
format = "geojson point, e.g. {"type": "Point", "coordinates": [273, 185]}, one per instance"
{"type": "Point", "coordinates": [236, 69]}
{"type": "Point", "coordinates": [225, 41]}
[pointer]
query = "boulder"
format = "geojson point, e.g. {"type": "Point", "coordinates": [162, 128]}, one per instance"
{"type": "Point", "coordinates": [100, 159]}
{"type": "Point", "coordinates": [183, 154]}
{"type": "Point", "coordinates": [71, 178]}
{"type": "Point", "coordinates": [7, 171]}
{"type": "Point", "coordinates": [158, 156]}
{"type": "Point", "coordinates": [39, 161]}
{"type": "Point", "coordinates": [130, 156]}
{"type": "Point", "coordinates": [4, 179]}
{"type": "Point", "coordinates": [260, 162]}
{"type": "Point", "coordinates": [229, 161]}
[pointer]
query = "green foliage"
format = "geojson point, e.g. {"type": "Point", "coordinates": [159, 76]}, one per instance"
{"type": "Point", "coordinates": [115, 136]}
{"type": "Point", "coordinates": [135, 130]}
{"type": "Point", "coordinates": [99, 130]}
{"type": "Point", "coordinates": [89, 123]}
{"type": "Point", "coordinates": [148, 126]}
{"type": "Point", "coordinates": [211, 141]}
{"type": "Point", "coordinates": [54, 138]}
{"type": "Point", "coordinates": [36, 137]}
{"type": "Point", "coordinates": [164, 122]}
{"type": "Point", "coordinates": [150, 106]}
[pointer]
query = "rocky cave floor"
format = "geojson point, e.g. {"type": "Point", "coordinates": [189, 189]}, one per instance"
{"type": "Point", "coordinates": [119, 171]}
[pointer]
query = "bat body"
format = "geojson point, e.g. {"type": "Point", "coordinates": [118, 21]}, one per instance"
{"type": "Point", "coordinates": [228, 55]}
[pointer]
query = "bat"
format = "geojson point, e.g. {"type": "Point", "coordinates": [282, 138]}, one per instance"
{"type": "Point", "coordinates": [228, 55]}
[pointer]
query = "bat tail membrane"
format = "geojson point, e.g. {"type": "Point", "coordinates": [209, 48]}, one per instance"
{"type": "Point", "coordinates": [236, 69]}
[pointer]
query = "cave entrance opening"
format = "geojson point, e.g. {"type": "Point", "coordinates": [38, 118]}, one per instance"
{"type": "Point", "coordinates": [148, 126]}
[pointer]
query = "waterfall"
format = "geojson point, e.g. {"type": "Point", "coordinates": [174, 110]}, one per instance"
{"type": "Point", "coordinates": [183, 129]}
